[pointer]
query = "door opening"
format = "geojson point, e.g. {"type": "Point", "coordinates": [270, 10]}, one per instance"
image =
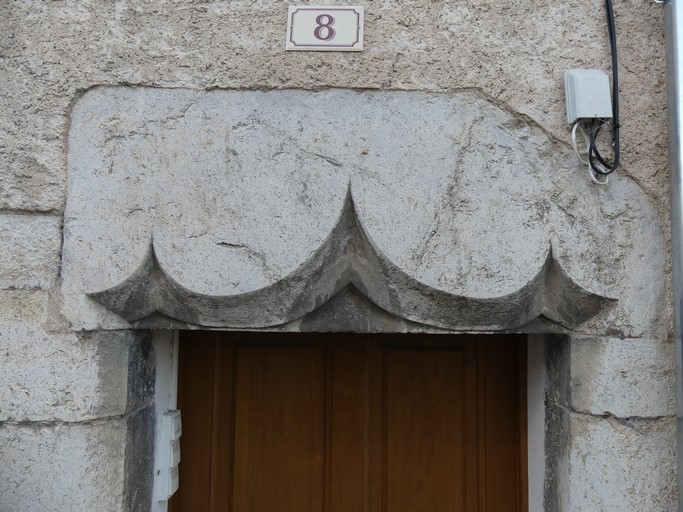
{"type": "Point", "coordinates": [352, 423]}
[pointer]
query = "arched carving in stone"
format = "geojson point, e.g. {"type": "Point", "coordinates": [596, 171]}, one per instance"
{"type": "Point", "coordinates": [349, 262]}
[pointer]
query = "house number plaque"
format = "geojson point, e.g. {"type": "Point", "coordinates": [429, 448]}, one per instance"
{"type": "Point", "coordinates": [325, 28]}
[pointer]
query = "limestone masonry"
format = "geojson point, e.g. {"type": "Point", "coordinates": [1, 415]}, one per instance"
{"type": "Point", "coordinates": [167, 165]}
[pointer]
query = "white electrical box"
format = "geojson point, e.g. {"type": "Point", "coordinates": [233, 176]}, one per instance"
{"type": "Point", "coordinates": [168, 458]}
{"type": "Point", "coordinates": [587, 92]}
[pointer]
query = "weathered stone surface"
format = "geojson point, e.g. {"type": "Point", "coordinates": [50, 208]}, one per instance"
{"type": "Point", "coordinates": [415, 45]}
{"type": "Point", "coordinates": [622, 377]}
{"type": "Point", "coordinates": [348, 258]}
{"type": "Point", "coordinates": [252, 184]}
{"type": "Point", "coordinates": [125, 360]}
{"type": "Point", "coordinates": [23, 306]}
{"type": "Point", "coordinates": [52, 52]}
{"type": "Point", "coordinates": [29, 251]}
{"type": "Point", "coordinates": [629, 466]}
{"type": "Point", "coordinates": [140, 460]}
{"type": "Point", "coordinates": [60, 376]}
{"type": "Point", "coordinates": [29, 184]}
{"type": "Point", "coordinates": [44, 376]}
{"type": "Point", "coordinates": [50, 376]}
{"type": "Point", "coordinates": [556, 416]}
{"type": "Point", "coordinates": [62, 467]}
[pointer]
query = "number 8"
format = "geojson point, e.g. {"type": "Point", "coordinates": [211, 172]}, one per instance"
{"type": "Point", "coordinates": [318, 33]}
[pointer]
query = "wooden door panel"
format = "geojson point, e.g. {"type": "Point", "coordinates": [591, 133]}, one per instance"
{"type": "Point", "coordinates": [502, 402]}
{"type": "Point", "coordinates": [278, 427]}
{"type": "Point", "coordinates": [348, 443]}
{"type": "Point", "coordinates": [280, 423]}
{"type": "Point", "coordinates": [424, 430]}
{"type": "Point", "coordinates": [199, 388]}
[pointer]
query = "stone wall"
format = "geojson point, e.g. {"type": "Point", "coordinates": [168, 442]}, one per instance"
{"type": "Point", "coordinates": [75, 385]}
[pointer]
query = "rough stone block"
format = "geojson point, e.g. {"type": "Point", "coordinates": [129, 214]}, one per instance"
{"type": "Point", "coordinates": [70, 377]}
{"type": "Point", "coordinates": [29, 251]}
{"type": "Point", "coordinates": [32, 180]}
{"type": "Point", "coordinates": [50, 376]}
{"type": "Point", "coordinates": [61, 468]}
{"type": "Point", "coordinates": [18, 306]}
{"type": "Point", "coordinates": [140, 459]}
{"type": "Point", "coordinates": [140, 362]}
{"type": "Point", "coordinates": [625, 466]}
{"type": "Point", "coordinates": [622, 377]}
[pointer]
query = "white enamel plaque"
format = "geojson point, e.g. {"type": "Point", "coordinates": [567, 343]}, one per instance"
{"type": "Point", "coordinates": [331, 28]}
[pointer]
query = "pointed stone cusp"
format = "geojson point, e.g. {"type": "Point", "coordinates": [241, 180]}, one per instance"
{"type": "Point", "coordinates": [566, 302]}
{"type": "Point", "coordinates": [348, 260]}
{"type": "Point", "coordinates": [136, 297]}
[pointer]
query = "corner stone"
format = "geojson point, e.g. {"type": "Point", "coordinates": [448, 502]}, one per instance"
{"type": "Point", "coordinates": [56, 468]}
{"type": "Point", "coordinates": [629, 466]}
{"type": "Point", "coordinates": [622, 377]}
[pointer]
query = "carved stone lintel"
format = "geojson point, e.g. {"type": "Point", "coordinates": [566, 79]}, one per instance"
{"type": "Point", "coordinates": [348, 259]}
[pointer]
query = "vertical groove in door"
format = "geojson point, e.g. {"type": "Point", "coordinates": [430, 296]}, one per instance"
{"type": "Point", "coordinates": [348, 419]}
{"type": "Point", "coordinates": [224, 447]}
{"type": "Point", "coordinates": [319, 418]}
{"type": "Point", "coordinates": [375, 421]}
{"type": "Point", "coordinates": [522, 427]}
{"type": "Point", "coordinates": [329, 411]}
{"type": "Point", "coordinates": [233, 407]}
{"type": "Point", "coordinates": [215, 426]}
{"type": "Point", "coordinates": [385, 429]}
{"type": "Point", "coordinates": [311, 437]}
{"type": "Point", "coordinates": [502, 419]}
{"type": "Point", "coordinates": [481, 423]}
{"type": "Point", "coordinates": [366, 425]}
{"type": "Point", "coordinates": [471, 423]}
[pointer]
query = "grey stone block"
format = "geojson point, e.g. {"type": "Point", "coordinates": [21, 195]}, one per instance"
{"type": "Point", "coordinates": [622, 377]}
{"type": "Point", "coordinates": [46, 376]}
{"type": "Point", "coordinates": [49, 376]}
{"type": "Point", "coordinates": [62, 467]}
{"type": "Point", "coordinates": [29, 251]}
{"type": "Point", "coordinates": [141, 431]}
{"type": "Point", "coordinates": [629, 466]}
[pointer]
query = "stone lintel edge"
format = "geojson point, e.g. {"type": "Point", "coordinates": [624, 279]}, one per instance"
{"type": "Point", "coordinates": [346, 258]}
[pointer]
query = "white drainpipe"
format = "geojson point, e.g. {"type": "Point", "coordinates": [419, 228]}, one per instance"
{"type": "Point", "coordinates": [674, 54]}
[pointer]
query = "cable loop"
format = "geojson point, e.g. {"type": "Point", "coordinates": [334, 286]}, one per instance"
{"type": "Point", "coordinates": [594, 176]}
{"type": "Point", "coordinates": [595, 169]}
{"type": "Point", "coordinates": [575, 130]}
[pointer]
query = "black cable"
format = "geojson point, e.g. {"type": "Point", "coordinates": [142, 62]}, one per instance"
{"type": "Point", "coordinates": [602, 166]}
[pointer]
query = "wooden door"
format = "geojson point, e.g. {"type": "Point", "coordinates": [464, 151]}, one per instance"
{"type": "Point", "coordinates": [351, 423]}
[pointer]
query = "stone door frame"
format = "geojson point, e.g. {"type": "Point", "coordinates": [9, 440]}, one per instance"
{"type": "Point", "coordinates": [538, 429]}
